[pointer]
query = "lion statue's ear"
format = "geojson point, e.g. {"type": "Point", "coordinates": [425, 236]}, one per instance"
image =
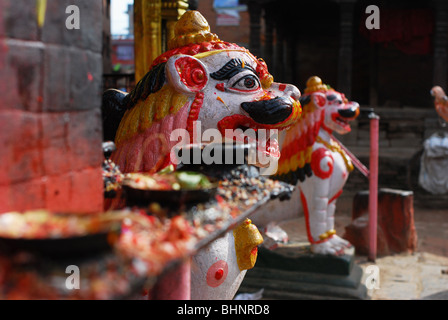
{"type": "Point", "coordinates": [319, 99]}
{"type": "Point", "coordinates": [186, 74]}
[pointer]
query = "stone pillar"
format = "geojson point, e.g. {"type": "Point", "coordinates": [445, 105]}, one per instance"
{"type": "Point", "coordinates": [50, 110]}
{"type": "Point", "coordinates": [346, 47]}
{"type": "Point", "coordinates": [255, 28]}
{"type": "Point", "coordinates": [440, 43]}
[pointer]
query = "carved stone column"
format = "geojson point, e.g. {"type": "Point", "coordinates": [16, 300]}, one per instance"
{"type": "Point", "coordinates": [440, 43]}
{"type": "Point", "coordinates": [346, 46]}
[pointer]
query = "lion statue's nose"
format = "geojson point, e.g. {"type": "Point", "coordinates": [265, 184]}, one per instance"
{"type": "Point", "coordinates": [271, 111]}
{"type": "Point", "coordinates": [351, 112]}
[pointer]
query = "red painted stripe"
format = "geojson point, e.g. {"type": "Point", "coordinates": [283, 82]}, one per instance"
{"type": "Point", "coordinates": [307, 220]}
{"type": "Point", "coordinates": [307, 216]}
{"type": "Point", "coordinates": [337, 195]}
{"type": "Point", "coordinates": [194, 112]}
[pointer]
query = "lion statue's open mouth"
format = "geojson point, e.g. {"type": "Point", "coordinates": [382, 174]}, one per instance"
{"type": "Point", "coordinates": [245, 130]}
{"type": "Point", "coordinates": [267, 117]}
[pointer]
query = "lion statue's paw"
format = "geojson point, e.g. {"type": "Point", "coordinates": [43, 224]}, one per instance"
{"type": "Point", "coordinates": [334, 246]}
{"type": "Point", "coordinates": [340, 242]}
{"type": "Point", "coordinates": [327, 248]}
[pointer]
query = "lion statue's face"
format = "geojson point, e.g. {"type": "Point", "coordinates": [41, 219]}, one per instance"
{"type": "Point", "coordinates": [234, 96]}
{"type": "Point", "coordinates": [338, 111]}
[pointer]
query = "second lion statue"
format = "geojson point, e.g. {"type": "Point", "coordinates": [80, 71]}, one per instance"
{"type": "Point", "coordinates": [316, 163]}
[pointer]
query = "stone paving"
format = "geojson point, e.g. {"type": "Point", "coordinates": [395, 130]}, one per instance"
{"type": "Point", "coordinates": [421, 275]}
{"type": "Point", "coordinates": [409, 276]}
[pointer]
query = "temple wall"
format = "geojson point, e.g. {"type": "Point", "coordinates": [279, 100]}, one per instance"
{"type": "Point", "coordinates": [50, 116]}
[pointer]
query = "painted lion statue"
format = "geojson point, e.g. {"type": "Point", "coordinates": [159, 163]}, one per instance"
{"type": "Point", "coordinates": [317, 164]}
{"type": "Point", "coordinates": [201, 83]}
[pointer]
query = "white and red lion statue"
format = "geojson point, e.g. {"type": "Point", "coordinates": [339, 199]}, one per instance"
{"type": "Point", "coordinates": [315, 162]}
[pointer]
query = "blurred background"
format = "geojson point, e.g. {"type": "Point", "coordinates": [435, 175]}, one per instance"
{"type": "Point", "coordinates": [390, 69]}
{"type": "Point", "coordinates": [53, 79]}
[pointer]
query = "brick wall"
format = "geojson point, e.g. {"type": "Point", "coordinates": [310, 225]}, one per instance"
{"type": "Point", "coordinates": [50, 116]}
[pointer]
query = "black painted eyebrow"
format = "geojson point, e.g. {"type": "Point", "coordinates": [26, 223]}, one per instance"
{"type": "Point", "coordinates": [331, 97]}
{"type": "Point", "coordinates": [230, 69]}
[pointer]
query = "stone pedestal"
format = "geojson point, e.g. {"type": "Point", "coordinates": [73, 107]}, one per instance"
{"type": "Point", "coordinates": [293, 272]}
{"type": "Point", "coordinates": [396, 230]}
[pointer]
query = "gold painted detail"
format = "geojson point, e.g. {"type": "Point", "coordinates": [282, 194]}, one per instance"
{"type": "Point", "coordinates": [335, 147]}
{"type": "Point", "coordinates": [173, 9]}
{"type": "Point", "coordinates": [41, 8]}
{"type": "Point", "coordinates": [327, 235]}
{"type": "Point", "coordinates": [153, 109]}
{"type": "Point", "coordinates": [190, 29]}
{"type": "Point", "coordinates": [247, 239]}
{"type": "Point", "coordinates": [315, 84]}
{"type": "Point", "coordinates": [147, 34]}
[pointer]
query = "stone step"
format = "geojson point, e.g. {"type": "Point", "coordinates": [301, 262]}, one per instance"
{"type": "Point", "coordinates": [298, 258]}
{"type": "Point", "coordinates": [280, 284]}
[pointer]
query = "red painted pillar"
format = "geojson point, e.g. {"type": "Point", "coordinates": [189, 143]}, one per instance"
{"type": "Point", "coordinates": [174, 285]}
{"type": "Point", "coordinates": [373, 185]}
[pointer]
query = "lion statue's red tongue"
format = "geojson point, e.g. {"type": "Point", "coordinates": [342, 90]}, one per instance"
{"type": "Point", "coordinates": [237, 124]}
{"type": "Point", "coordinates": [273, 148]}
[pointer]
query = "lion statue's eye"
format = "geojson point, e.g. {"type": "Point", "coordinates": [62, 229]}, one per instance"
{"type": "Point", "coordinates": [248, 82]}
